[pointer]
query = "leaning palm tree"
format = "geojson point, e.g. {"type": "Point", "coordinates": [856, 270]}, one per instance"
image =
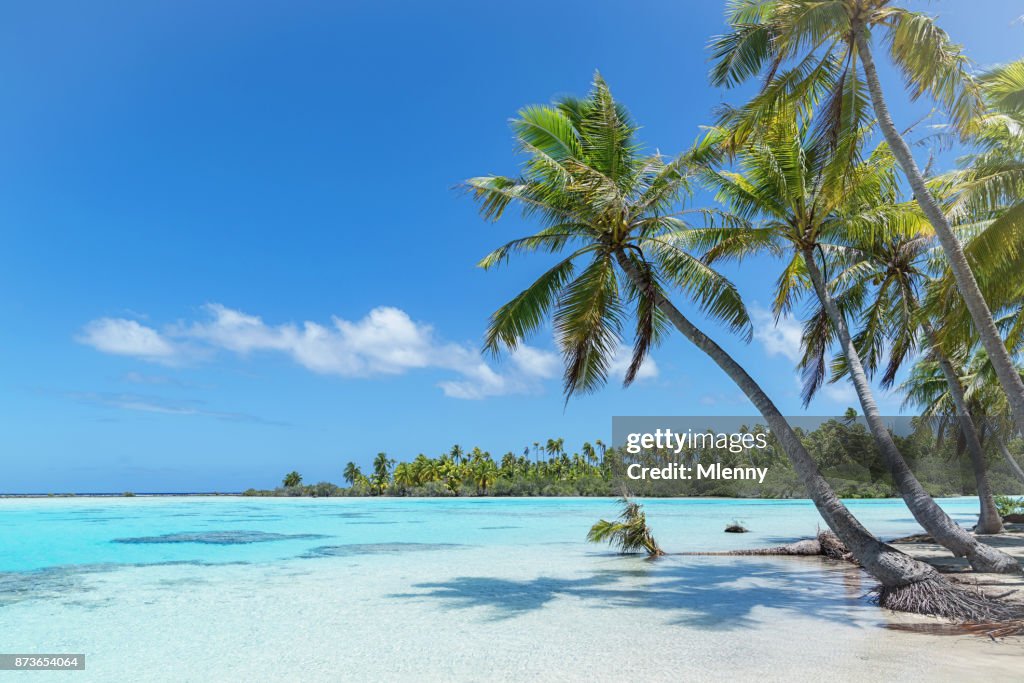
{"type": "Point", "coordinates": [1011, 461]}
{"type": "Point", "coordinates": [585, 180]}
{"type": "Point", "coordinates": [813, 52]}
{"type": "Point", "coordinates": [988, 402]}
{"type": "Point", "coordinates": [794, 196]}
{"type": "Point", "coordinates": [986, 200]}
{"type": "Point", "coordinates": [882, 288]}
{"type": "Point", "coordinates": [928, 388]}
{"type": "Point", "coordinates": [629, 532]}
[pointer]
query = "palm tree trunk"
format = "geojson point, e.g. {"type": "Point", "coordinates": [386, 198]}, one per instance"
{"type": "Point", "coordinates": [926, 511]}
{"type": "Point", "coordinates": [966, 283]}
{"type": "Point", "coordinates": [1017, 471]}
{"type": "Point", "coordinates": [989, 521]}
{"type": "Point", "coordinates": [893, 569]}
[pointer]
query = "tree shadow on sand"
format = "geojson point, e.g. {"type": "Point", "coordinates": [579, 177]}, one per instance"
{"type": "Point", "coordinates": [700, 592]}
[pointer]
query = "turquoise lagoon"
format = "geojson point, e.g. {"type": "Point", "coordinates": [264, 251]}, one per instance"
{"type": "Point", "coordinates": [225, 588]}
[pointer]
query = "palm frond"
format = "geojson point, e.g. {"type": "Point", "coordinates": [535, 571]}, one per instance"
{"type": "Point", "coordinates": [932, 64]}
{"type": "Point", "coordinates": [588, 323]}
{"type": "Point", "coordinates": [517, 319]}
{"type": "Point", "coordinates": [630, 532]}
{"type": "Point", "coordinates": [651, 324]}
{"type": "Point", "coordinates": [716, 296]}
{"type": "Point", "coordinates": [741, 54]}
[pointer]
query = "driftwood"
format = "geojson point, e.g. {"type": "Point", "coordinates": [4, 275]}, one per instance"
{"type": "Point", "coordinates": [992, 630]}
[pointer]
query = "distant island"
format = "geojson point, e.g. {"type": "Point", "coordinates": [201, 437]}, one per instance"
{"type": "Point", "coordinates": [843, 449]}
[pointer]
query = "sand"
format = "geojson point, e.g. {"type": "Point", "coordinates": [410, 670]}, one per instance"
{"type": "Point", "coordinates": [1011, 541]}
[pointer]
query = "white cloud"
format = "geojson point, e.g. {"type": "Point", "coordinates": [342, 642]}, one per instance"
{"type": "Point", "coordinates": [779, 339]}
{"type": "Point", "coordinates": [134, 377]}
{"type": "Point", "coordinates": [481, 382]}
{"type": "Point", "coordinates": [841, 392]}
{"type": "Point", "coordinates": [620, 364]}
{"type": "Point", "coordinates": [536, 362]}
{"type": "Point", "coordinates": [384, 342]}
{"type": "Point", "coordinates": [162, 406]}
{"type": "Point", "coordinates": [127, 338]}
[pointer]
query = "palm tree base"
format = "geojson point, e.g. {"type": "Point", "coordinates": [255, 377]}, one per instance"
{"type": "Point", "coordinates": [993, 562]}
{"type": "Point", "coordinates": [940, 597]}
{"type": "Point", "coordinates": [990, 527]}
{"type": "Point", "coordinates": [990, 560]}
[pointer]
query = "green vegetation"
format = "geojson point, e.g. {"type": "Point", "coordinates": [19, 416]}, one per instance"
{"type": "Point", "coordinates": [1007, 505]}
{"type": "Point", "coordinates": [630, 533]}
{"type": "Point", "coordinates": [842, 449]}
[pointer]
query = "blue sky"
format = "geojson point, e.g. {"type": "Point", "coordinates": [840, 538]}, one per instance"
{"type": "Point", "coordinates": [232, 247]}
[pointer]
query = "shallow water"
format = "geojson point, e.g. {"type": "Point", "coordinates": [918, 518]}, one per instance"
{"type": "Point", "coordinates": [441, 589]}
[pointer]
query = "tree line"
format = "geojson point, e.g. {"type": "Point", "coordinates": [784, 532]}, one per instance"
{"type": "Point", "coordinates": [842, 448]}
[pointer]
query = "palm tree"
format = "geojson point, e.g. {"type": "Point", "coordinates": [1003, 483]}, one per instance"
{"type": "Point", "coordinates": [352, 473]}
{"type": "Point", "coordinates": [590, 188]}
{"type": "Point", "coordinates": [449, 472]}
{"type": "Point", "coordinates": [1015, 467]}
{"type": "Point", "coordinates": [555, 446]}
{"type": "Point", "coordinates": [825, 44]}
{"type": "Point", "coordinates": [984, 397]}
{"type": "Point", "coordinates": [404, 476]}
{"type": "Point", "coordinates": [811, 203]}
{"type": "Point", "coordinates": [986, 200]}
{"type": "Point", "coordinates": [483, 472]}
{"type": "Point", "coordinates": [509, 465]}
{"type": "Point", "coordinates": [381, 473]}
{"type": "Point", "coordinates": [630, 532]}
{"type": "Point", "coordinates": [424, 469]}
{"type": "Point", "coordinates": [882, 287]}
{"type": "Point", "coordinates": [292, 479]}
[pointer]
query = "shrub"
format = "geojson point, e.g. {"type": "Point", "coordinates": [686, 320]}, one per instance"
{"type": "Point", "coordinates": [559, 488]}
{"type": "Point", "coordinates": [431, 489]}
{"type": "Point", "coordinates": [324, 489]}
{"type": "Point", "coordinates": [1005, 505]}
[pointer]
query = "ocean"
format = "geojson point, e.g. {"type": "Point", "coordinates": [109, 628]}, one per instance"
{"type": "Point", "coordinates": [258, 589]}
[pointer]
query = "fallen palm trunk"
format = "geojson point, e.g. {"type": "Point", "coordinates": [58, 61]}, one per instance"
{"type": "Point", "coordinates": [826, 544]}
